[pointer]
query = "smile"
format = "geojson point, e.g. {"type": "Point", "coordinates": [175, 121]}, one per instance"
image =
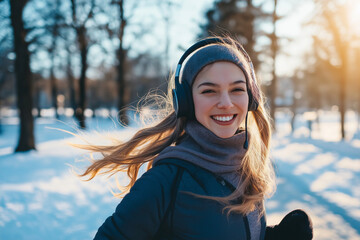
{"type": "Point", "coordinates": [224, 118]}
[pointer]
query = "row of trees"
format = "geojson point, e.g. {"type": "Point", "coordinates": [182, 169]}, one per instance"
{"type": "Point", "coordinates": [78, 48]}
{"type": "Point", "coordinates": [336, 45]}
{"type": "Point", "coordinates": [49, 37]}
{"type": "Point", "coordinates": [329, 73]}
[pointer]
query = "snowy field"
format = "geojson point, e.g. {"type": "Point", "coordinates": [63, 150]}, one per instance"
{"type": "Point", "coordinates": [42, 198]}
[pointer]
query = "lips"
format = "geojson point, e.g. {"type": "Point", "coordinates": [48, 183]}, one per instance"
{"type": "Point", "coordinates": [224, 119]}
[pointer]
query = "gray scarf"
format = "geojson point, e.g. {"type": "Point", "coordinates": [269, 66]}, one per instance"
{"type": "Point", "coordinates": [202, 147]}
{"type": "Point", "coordinates": [221, 156]}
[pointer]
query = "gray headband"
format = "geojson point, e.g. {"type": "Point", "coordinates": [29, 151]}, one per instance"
{"type": "Point", "coordinates": [206, 56]}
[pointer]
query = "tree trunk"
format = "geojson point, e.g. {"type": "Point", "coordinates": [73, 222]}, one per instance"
{"type": "Point", "coordinates": [81, 106]}
{"type": "Point", "coordinates": [294, 105]}
{"type": "Point", "coordinates": [343, 83]}
{"type": "Point", "coordinates": [71, 82]}
{"type": "Point", "coordinates": [23, 77]}
{"type": "Point", "coordinates": [38, 97]}
{"type": "Point", "coordinates": [53, 85]}
{"type": "Point", "coordinates": [52, 77]}
{"type": "Point", "coordinates": [121, 68]}
{"type": "Point", "coordinates": [83, 46]}
{"type": "Point", "coordinates": [249, 33]}
{"type": "Point", "coordinates": [273, 85]}
{"type": "Point", "coordinates": [339, 33]}
{"type": "Point", "coordinates": [2, 81]}
{"type": "Point", "coordinates": [55, 35]}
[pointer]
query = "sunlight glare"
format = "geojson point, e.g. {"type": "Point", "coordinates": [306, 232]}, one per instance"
{"type": "Point", "coordinates": [354, 16]}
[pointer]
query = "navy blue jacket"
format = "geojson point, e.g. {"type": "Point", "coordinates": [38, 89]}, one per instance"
{"type": "Point", "coordinates": [159, 206]}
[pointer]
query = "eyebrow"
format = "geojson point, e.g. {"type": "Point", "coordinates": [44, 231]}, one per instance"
{"type": "Point", "coordinates": [216, 85]}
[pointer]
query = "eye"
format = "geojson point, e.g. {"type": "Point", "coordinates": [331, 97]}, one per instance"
{"type": "Point", "coordinates": [207, 91]}
{"type": "Point", "coordinates": [238, 90]}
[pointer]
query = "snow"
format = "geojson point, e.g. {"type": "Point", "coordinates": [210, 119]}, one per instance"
{"type": "Point", "coordinates": [319, 174]}
{"type": "Point", "coordinates": [41, 197]}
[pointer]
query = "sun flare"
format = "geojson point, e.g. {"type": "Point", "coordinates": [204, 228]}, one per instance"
{"type": "Point", "coordinates": [354, 16]}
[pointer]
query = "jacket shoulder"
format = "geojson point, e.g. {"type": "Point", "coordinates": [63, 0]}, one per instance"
{"type": "Point", "coordinates": [140, 213]}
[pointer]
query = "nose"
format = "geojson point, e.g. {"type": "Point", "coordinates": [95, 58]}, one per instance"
{"type": "Point", "coordinates": [225, 101]}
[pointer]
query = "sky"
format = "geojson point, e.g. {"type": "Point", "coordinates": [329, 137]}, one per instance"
{"type": "Point", "coordinates": [187, 15]}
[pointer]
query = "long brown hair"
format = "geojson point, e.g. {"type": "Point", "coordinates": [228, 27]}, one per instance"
{"type": "Point", "coordinates": [256, 169]}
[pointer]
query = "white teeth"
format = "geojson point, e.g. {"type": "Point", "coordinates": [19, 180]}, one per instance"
{"type": "Point", "coordinates": [223, 119]}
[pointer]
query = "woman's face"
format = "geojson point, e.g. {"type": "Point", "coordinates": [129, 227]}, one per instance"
{"type": "Point", "coordinates": [220, 98]}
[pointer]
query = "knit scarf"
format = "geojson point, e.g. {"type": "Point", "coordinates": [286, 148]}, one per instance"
{"type": "Point", "coordinates": [221, 156]}
{"type": "Point", "coordinates": [202, 147]}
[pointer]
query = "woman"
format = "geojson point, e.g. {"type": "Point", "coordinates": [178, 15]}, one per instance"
{"type": "Point", "coordinates": [208, 159]}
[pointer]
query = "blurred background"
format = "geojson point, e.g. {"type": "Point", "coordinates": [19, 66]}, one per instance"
{"type": "Point", "coordinates": [78, 58]}
{"type": "Point", "coordinates": [76, 62]}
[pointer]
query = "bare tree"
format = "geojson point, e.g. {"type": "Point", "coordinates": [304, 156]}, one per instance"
{"type": "Point", "coordinates": [236, 18]}
{"type": "Point", "coordinates": [70, 79]}
{"type": "Point", "coordinates": [23, 77]}
{"type": "Point", "coordinates": [331, 18]}
{"type": "Point", "coordinates": [298, 76]}
{"type": "Point", "coordinates": [122, 58]}
{"type": "Point", "coordinates": [43, 36]}
{"type": "Point", "coordinates": [83, 44]}
{"type": "Point", "coordinates": [54, 29]}
{"type": "Point", "coordinates": [166, 9]}
{"type": "Point", "coordinates": [274, 49]}
{"type": "Point", "coordinates": [3, 77]}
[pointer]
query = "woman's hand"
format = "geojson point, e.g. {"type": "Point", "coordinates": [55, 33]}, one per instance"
{"type": "Point", "coordinates": [296, 225]}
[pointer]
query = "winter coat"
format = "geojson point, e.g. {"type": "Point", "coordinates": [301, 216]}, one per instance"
{"type": "Point", "coordinates": [162, 205]}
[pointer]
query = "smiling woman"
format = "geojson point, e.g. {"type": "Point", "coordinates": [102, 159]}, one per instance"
{"type": "Point", "coordinates": [208, 174]}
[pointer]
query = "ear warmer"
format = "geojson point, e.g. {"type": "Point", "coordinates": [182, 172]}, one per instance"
{"type": "Point", "coordinates": [206, 56]}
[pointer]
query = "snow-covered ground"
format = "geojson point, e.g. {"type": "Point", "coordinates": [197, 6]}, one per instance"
{"type": "Point", "coordinates": [320, 175]}
{"type": "Point", "coordinates": [42, 198]}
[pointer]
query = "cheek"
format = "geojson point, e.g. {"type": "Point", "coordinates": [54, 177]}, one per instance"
{"type": "Point", "coordinates": [201, 107]}
{"type": "Point", "coordinates": [242, 102]}
{"type": "Point", "coordinates": [242, 105]}
{"type": "Point", "coordinates": [197, 103]}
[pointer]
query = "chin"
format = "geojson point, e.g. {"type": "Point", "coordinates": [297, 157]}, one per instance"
{"type": "Point", "coordinates": [225, 134]}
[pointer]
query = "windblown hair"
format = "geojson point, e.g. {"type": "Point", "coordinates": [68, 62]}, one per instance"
{"type": "Point", "coordinates": [256, 169]}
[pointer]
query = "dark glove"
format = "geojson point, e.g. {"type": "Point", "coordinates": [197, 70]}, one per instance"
{"type": "Point", "coordinates": [296, 225]}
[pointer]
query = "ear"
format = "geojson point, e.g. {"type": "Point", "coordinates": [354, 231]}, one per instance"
{"type": "Point", "coordinates": [182, 101]}
{"type": "Point", "coordinates": [253, 103]}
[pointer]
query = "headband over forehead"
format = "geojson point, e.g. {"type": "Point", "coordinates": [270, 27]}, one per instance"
{"type": "Point", "coordinates": [207, 55]}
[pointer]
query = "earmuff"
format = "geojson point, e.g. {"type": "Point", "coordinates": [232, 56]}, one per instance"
{"type": "Point", "coordinates": [182, 94]}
